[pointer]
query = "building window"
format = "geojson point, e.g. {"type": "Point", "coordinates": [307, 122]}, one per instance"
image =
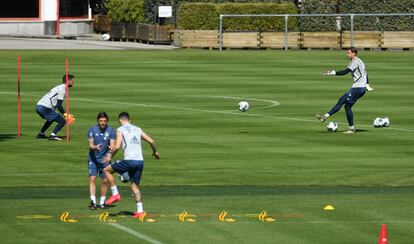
{"type": "Point", "coordinates": [19, 9]}
{"type": "Point", "coordinates": [74, 8]}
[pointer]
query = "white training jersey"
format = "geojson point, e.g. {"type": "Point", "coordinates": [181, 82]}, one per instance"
{"type": "Point", "coordinates": [50, 99]}
{"type": "Point", "coordinates": [131, 142]}
{"type": "Point", "coordinates": [359, 74]}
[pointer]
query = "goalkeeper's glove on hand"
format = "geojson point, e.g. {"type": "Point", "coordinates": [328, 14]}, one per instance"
{"type": "Point", "coordinates": [329, 72]}
{"type": "Point", "coordinates": [70, 119]}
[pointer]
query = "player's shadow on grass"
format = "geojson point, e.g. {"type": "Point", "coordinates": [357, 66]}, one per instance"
{"type": "Point", "coordinates": [5, 137]}
{"type": "Point", "coordinates": [122, 213]}
{"type": "Point", "coordinates": [340, 132]}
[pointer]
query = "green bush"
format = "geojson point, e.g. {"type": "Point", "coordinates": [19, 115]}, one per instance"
{"type": "Point", "coordinates": [125, 10]}
{"type": "Point", "coordinates": [205, 16]}
{"type": "Point", "coordinates": [318, 23]}
{"type": "Point", "coordinates": [379, 23]}
{"type": "Point", "coordinates": [150, 4]}
{"type": "Point", "coordinates": [355, 7]}
{"type": "Point", "coordinates": [190, 18]}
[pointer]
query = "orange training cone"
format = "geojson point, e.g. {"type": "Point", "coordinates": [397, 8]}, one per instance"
{"type": "Point", "coordinates": [383, 235]}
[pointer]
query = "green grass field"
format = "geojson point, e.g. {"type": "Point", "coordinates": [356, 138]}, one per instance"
{"type": "Point", "coordinates": [276, 157]}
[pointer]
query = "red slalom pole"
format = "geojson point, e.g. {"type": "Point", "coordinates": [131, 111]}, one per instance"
{"type": "Point", "coordinates": [18, 96]}
{"type": "Point", "coordinates": [67, 100]}
{"type": "Point", "coordinates": [58, 18]}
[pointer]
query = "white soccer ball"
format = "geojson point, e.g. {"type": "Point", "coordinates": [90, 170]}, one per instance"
{"type": "Point", "coordinates": [332, 126]}
{"type": "Point", "coordinates": [243, 106]}
{"type": "Point", "coordinates": [386, 122]}
{"type": "Point", "coordinates": [378, 122]}
{"type": "Point", "coordinates": [124, 177]}
{"type": "Point", "coordinates": [106, 37]}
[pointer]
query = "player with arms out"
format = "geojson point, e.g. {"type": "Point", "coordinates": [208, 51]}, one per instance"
{"type": "Point", "coordinates": [357, 68]}
{"type": "Point", "coordinates": [47, 105]}
{"type": "Point", "coordinates": [101, 139]}
{"type": "Point", "coordinates": [129, 137]}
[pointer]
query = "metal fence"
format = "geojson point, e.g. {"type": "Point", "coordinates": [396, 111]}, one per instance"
{"type": "Point", "coordinates": [286, 17]}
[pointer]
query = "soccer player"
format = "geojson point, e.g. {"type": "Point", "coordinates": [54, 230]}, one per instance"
{"type": "Point", "coordinates": [357, 68]}
{"type": "Point", "coordinates": [129, 137]}
{"type": "Point", "coordinates": [101, 138]}
{"type": "Point", "coordinates": [47, 105]}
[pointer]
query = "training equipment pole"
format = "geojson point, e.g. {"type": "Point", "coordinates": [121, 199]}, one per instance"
{"type": "Point", "coordinates": [18, 96]}
{"type": "Point", "coordinates": [58, 18]}
{"type": "Point", "coordinates": [67, 101]}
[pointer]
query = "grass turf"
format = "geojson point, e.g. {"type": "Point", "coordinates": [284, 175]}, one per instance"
{"type": "Point", "coordinates": [275, 157]}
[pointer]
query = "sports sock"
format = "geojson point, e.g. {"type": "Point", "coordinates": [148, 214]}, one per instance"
{"type": "Point", "coordinates": [93, 199]}
{"type": "Point", "coordinates": [327, 115]}
{"type": "Point", "coordinates": [352, 127]}
{"type": "Point", "coordinates": [114, 190]}
{"type": "Point", "coordinates": [52, 134]}
{"type": "Point", "coordinates": [102, 202]}
{"type": "Point", "coordinates": [140, 207]}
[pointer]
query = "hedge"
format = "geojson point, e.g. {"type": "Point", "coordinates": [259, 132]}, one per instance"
{"type": "Point", "coordinates": [125, 10]}
{"type": "Point", "coordinates": [379, 23]}
{"type": "Point", "coordinates": [360, 23]}
{"type": "Point", "coordinates": [318, 23]}
{"type": "Point", "coordinates": [150, 4]}
{"type": "Point", "coordinates": [205, 16]}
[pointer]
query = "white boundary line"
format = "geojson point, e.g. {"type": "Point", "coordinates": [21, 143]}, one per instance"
{"type": "Point", "coordinates": [206, 111]}
{"type": "Point", "coordinates": [273, 103]}
{"type": "Point", "coordinates": [135, 233]}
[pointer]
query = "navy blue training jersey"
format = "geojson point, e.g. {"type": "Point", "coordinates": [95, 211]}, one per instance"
{"type": "Point", "coordinates": [102, 138]}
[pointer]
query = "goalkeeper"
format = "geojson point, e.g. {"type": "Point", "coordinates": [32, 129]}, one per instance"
{"type": "Point", "coordinates": [47, 105]}
{"type": "Point", "coordinates": [357, 68]}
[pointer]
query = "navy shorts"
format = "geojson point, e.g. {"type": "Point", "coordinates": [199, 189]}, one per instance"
{"type": "Point", "coordinates": [133, 167]}
{"type": "Point", "coordinates": [95, 169]}
{"type": "Point", "coordinates": [46, 113]}
{"type": "Point", "coordinates": [354, 94]}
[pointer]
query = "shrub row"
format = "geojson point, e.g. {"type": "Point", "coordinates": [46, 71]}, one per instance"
{"type": "Point", "coordinates": [379, 23]}
{"type": "Point", "coordinates": [205, 16]}
{"type": "Point", "coordinates": [360, 23]}
{"type": "Point", "coordinates": [151, 4]}
{"type": "Point", "coordinates": [125, 10]}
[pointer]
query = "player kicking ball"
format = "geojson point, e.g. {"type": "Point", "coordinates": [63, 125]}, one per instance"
{"type": "Point", "coordinates": [357, 68]}
{"type": "Point", "coordinates": [129, 137]}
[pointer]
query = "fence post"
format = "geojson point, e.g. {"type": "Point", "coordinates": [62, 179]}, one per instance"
{"type": "Point", "coordinates": [286, 32]}
{"type": "Point", "coordinates": [221, 32]}
{"type": "Point", "coordinates": [352, 30]}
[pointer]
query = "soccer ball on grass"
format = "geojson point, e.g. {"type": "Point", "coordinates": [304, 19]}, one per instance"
{"type": "Point", "coordinates": [332, 126]}
{"type": "Point", "coordinates": [243, 106]}
{"type": "Point", "coordinates": [381, 122]}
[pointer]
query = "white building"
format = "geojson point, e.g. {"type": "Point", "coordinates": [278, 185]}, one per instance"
{"type": "Point", "coordinates": [43, 17]}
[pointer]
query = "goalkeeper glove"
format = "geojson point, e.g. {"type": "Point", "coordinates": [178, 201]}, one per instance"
{"type": "Point", "coordinates": [329, 72]}
{"type": "Point", "coordinates": [70, 119]}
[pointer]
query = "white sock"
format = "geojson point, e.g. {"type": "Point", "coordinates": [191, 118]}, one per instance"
{"type": "Point", "coordinates": [52, 134]}
{"type": "Point", "coordinates": [93, 199]}
{"type": "Point", "coordinates": [140, 207]}
{"type": "Point", "coordinates": [326, 115]}
{"type": "Point", "coordinates": [102, 202]}
{"type": "Point", "coordinates": [351, 127]}
{"type": "Point", "coordinates": [114, 190]}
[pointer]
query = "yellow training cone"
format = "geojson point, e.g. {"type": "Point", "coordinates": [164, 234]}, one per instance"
{"type": "Point", "coordinates": [328, 207]}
